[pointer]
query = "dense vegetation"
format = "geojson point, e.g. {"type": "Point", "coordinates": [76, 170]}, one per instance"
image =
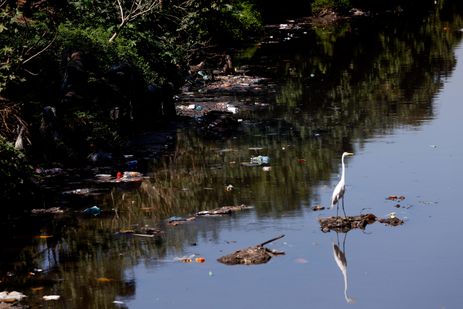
{"type": "Point", "coordinates": [76, 76]}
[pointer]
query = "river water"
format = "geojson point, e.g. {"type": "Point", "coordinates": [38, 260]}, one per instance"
{"type": "Point", "coordinates": [388, 91]}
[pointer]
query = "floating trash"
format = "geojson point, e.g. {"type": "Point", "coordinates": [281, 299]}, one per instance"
{"type": "Point", "coordinates": [132, 164]}
{"type": "Point", "coordinates": [82, 191]}
{"type": "Point", "coordinates": [203, 75]}
{"type": "Point", "coordinates": [226, 150]}
{"type": "Point", "coordinates": [51, 297]}
{"type": "Point", "coordinates": [11, 297]}
{"type": "Point", "coordinates": [225, 210]}
{"type": "Point", "coordinates": [301, 261]}
{"type": "Point", "coordinates": [260, 160]}
{"type": "Point", "coordinates": [232, 109]}
{"type": "Point", "coordinates": [43, 236]}
{"type": "Point", "coordinates": [395, 198]}
{"type": "Point", "coordinates": [317, 207]}
{"type": "Point", "coordinates": [184, 259]}
{"type": "Point", "coordinates": [257, 161]}
{"type": "Point", "coordinates": [52, 210]}
{"type": "Point", "coordinates": [179, 220]}
{"type": "Point", "coordinates": [103, 176]}
{"type": "Point", "coordinates": [345, 224]}
{"type": "Point", "coordinates": [92, 211]}
{"type": "Point", "coordinates": [104, 280]}
{"type": "Point", "coordinates": [131, 175]}
{"type": "Point", "coordinates": [200, 260]}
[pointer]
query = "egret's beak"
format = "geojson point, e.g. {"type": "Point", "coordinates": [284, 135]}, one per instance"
{"type": "Point", "coordinates": [350, 154]}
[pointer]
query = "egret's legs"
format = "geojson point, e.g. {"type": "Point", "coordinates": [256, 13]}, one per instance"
{"type": "Point", "coordinates": [343, 210]}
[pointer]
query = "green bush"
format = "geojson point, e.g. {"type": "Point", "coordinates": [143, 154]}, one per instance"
{"type": "Point", "coordinates": [243, 20]}
{"type": "Point", "coordinates": [340, 6]}
{"type": "Point", "coordinates": [100, 53]}
{"type": "Point", "coordinates": [22, 38]}
{"type": "Point", "coordinates": [223, 22]}
{"type": "Point", "coordinates": [15, 173]}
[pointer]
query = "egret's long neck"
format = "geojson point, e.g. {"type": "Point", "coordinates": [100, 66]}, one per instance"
{"type": "Point", "coordinates": [343, 170]}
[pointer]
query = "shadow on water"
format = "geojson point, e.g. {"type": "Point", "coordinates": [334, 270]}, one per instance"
{"type": "Point", "coordinates": [336, 87]}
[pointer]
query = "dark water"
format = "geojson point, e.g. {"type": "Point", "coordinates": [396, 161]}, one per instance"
{"type": "Point", "coordinates": [389, 91]}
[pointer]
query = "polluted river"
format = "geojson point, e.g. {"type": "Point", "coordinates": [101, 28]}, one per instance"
{"type": "Point", "coordinates": [386, 89]}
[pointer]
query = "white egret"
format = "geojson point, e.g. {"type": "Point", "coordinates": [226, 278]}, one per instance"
{"type": "Point", "coordinates": [340, 188]}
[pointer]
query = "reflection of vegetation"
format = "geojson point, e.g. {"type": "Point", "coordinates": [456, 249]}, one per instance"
{"type": "Point", "coordinates": [375, 86]}
{"type": "Point", "coordinates": [329, 98]}
{"type": "Point", "coordinates": [15, 173]}
{"type": "Point", "coordinates": [337, 5]}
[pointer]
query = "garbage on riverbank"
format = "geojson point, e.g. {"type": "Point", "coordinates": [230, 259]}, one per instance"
{"type": "Point", "coordinates": [51, 210]}
{"type": "Point", "coordinates": [92, 211]}
{"type": "Point", "coordinates": [11, 297]}
{"type": "Point", "coordinates": [51, 297]}
{"type": "Point", "coordinates": [345, 224]}
{"type": "Point", "coordinates": [257, 161]}
{"type": "Point", "coordinates": [257, 254]}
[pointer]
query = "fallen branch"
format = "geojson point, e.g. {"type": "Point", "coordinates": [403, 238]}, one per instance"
{"type": "Point", "coordinates": [271, 240]}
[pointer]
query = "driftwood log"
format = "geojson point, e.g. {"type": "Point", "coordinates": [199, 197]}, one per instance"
{"type": "Point", "coordinates": [257, 254]}
{"type": "Point", "coordinates": [345, 224]}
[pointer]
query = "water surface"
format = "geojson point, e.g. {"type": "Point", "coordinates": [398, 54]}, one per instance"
{"type": "Point", "coordinates": [389, 92]}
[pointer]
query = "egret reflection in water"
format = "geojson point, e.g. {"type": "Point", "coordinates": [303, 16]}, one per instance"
{"type": "Point", "coordinates": [340, 258]}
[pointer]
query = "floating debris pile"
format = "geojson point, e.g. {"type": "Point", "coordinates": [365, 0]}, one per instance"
{"type": "Point", "coordinates": [345, 224]}
{"type": "Point", "coordinates": [257, 254]}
